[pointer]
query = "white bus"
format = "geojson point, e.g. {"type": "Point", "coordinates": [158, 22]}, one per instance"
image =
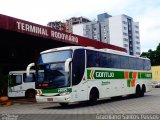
{"type": "Point", "coordinates": [19, 85]}
{"type": "Point", "coordinates": [75, 73]}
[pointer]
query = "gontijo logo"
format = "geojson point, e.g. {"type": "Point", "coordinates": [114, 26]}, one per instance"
{"type": "Point", "coordinates": [99, 74]}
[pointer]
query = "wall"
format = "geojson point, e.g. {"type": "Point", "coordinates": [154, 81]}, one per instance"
{"type": "Point", "coordinates": [156, 73]}
{"type": "Point", "coordinates": [115, 31]}
{"type": "Point", "coordinates": [78, 29]}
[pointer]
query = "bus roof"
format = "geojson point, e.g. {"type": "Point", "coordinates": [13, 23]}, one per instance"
{"type": "Point", "coordinates": [61, 48]}
{"type": "Point", "coordinates": [105, 50]}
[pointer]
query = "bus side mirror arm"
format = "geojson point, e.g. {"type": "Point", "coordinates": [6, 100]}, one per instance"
{"type": "Point", "coordinates": [66, 64]}
{"type": "Point", "coordinates": [28, 68]}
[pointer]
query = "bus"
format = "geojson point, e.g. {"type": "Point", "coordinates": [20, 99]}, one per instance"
{"type": "Point", "coordinates": [20, 85]}
{"type": "Point", "coordinates": [75, 73]}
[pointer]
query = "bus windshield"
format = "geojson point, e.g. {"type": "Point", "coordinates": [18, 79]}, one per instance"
{"type": "Point", "coordinates": [52, 65]}
{"type": "Point", "coordinates": [14, 80]}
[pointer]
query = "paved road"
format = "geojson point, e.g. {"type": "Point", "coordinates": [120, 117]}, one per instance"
{"type": "Point", "coordinates": [149, 104]}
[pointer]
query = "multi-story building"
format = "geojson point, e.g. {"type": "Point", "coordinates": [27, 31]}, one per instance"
{"type": "Point", "coordinates": [124, 32]}
{"type": "Point", "coordinates": [58, 25]}
{"type": "Point", "coordinates": [105, 36]}
{"type": "Point", "coordinates": [89, 30]}
{"type": "Point", "coordinates": [117, 30]}
{"type": "Point", "coordinates": [75, 20]}
{"type": "Point", "coordinates": [103, 16]}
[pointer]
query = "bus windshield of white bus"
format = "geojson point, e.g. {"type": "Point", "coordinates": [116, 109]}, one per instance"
{"type": "Point", "coordinates": [15, 80]}
{"type": "Point", "coordinates": [52, 64]}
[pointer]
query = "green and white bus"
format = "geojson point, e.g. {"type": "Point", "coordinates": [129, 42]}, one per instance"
{"type": "Point", "coordinates": [75, 73]}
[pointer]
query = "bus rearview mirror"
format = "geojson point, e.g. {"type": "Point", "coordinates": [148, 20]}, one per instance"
{"type": "Point", "coordinates": [66, 65]}
{"type": "Point", "coordinates": [29, 67]}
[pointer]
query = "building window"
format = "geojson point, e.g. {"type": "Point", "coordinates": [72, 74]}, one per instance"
{"type": "Point", "coordinates": [138, 48]}
{"type": "Point", "coordinates": [129, 23]}
{"type": "Point", "coordinates": [125, 34]}
{"type": "Point", "coordinates": [94, 29]}
{"type": "Point", "coordinates": [137, 42]}
{"type": "Point", "coordinates": [94, 36]}
{"type": "Point", "coordinates": [130, 39]}
{"type": "Point", "coordinates": [125, 45]}
{"type": "Point", "coordinates": [125, 28]}
{"type": "Point", "coordinates": [136, 26]}
{"type": "Point", "coordinates": [129, 28]}
{"type": "Point", "coordinates": [124, 22]}
{"type": "Point", "coordinates": [137, 37]}
{"type": "Point", "coordinates": [125, 39]}
{"type": "Point", "coordinates": [137, 32]}
{"type": "Point", "coordinates": [138, 53]}
{"type": "Point", "coordinates": [130, 34]}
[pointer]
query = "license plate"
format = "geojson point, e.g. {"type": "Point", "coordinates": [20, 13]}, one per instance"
{"type": "Point", "coordinates": [50, 99]}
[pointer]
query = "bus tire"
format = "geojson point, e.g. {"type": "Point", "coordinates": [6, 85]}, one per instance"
{"type": "Point", "coordinates": [138, 91]}
{"type": "Point", "coordinates": [30, 93]}
{"type": "Point", "coordinates": [94, 95]}
{"type": "Point", "coordinates": [64, 104]}
{"type": "Point", "coordinates": [143, 90]}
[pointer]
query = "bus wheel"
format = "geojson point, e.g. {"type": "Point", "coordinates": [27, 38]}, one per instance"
{"type": "Point", "coordinates": [30, 94]}
{"type": "Point", "coordinates": [143, 90]}
{"type": "Point", "coordinates": [64, 104]}
{"type": "Point", "coordinates": [138, 91]}
{"type": "Point", "coordinates": [94, 95]}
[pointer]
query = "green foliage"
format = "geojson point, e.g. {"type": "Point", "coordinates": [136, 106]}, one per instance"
{"type": "Point", "coordinates": [154, 56]}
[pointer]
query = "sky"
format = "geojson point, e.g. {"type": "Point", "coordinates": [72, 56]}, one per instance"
{"type": "Point", "coordinates": [146, 12]}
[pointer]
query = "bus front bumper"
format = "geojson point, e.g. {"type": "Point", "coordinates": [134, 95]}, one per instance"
{"type": "Point", "coordinates": [55, 99]}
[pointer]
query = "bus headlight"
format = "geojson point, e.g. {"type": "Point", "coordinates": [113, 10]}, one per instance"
{"type": "Point", "coordinates": [65, 93]}
{"type": "Point", "coordinates": [39, 92]}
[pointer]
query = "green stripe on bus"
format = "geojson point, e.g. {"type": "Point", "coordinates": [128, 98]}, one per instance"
{"type": "Point", "coordinates": [139, 75]}
{"type": "Point", "coordinates": [144, 75]}
{"type": "Point", "coordinates": [107, 74]}
{"type": "Point", "coordinates": [128, 83]}
{"type": "Point", "coordinates": [88, 74]}
{"type": "Point", "coordinates": [59, 90]}
{"type": "Point", "coordinates": [130, 74]}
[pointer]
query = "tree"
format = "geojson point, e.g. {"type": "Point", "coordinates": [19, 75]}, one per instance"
{"type": "Point", "coordinates": [158, 47]}
{"type": "Point", "coordinates": [154, 56]}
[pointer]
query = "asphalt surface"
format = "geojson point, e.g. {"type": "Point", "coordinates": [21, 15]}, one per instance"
{"type": "Point", "coordinates": [147, 105]}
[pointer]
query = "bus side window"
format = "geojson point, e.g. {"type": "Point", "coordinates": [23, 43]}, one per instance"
{"type": "Point", "coordinates": [147, 65]}
{"type": "Point", "coordinates": [115, 61]}
{"type": "Point", "coordinates": [92, 59]}
{"type": "Point", "coordinates": [78, 66]}
{"type": "Point", "coordinates": [124, 62]}
{"type": "Point", "coordinates": [31, 78]}
{"type": "Point", "coordinates": [139, 65]}
{"type": "Point", "coordinates": [103, 60]}
{"type": "Point", "coordinates": [132, 63]}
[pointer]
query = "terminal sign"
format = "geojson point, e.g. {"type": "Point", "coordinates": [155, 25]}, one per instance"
{"type": "Point", "coordinates": [32, 28]}
{"type": "Point", "coordinates": [51, 33]}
